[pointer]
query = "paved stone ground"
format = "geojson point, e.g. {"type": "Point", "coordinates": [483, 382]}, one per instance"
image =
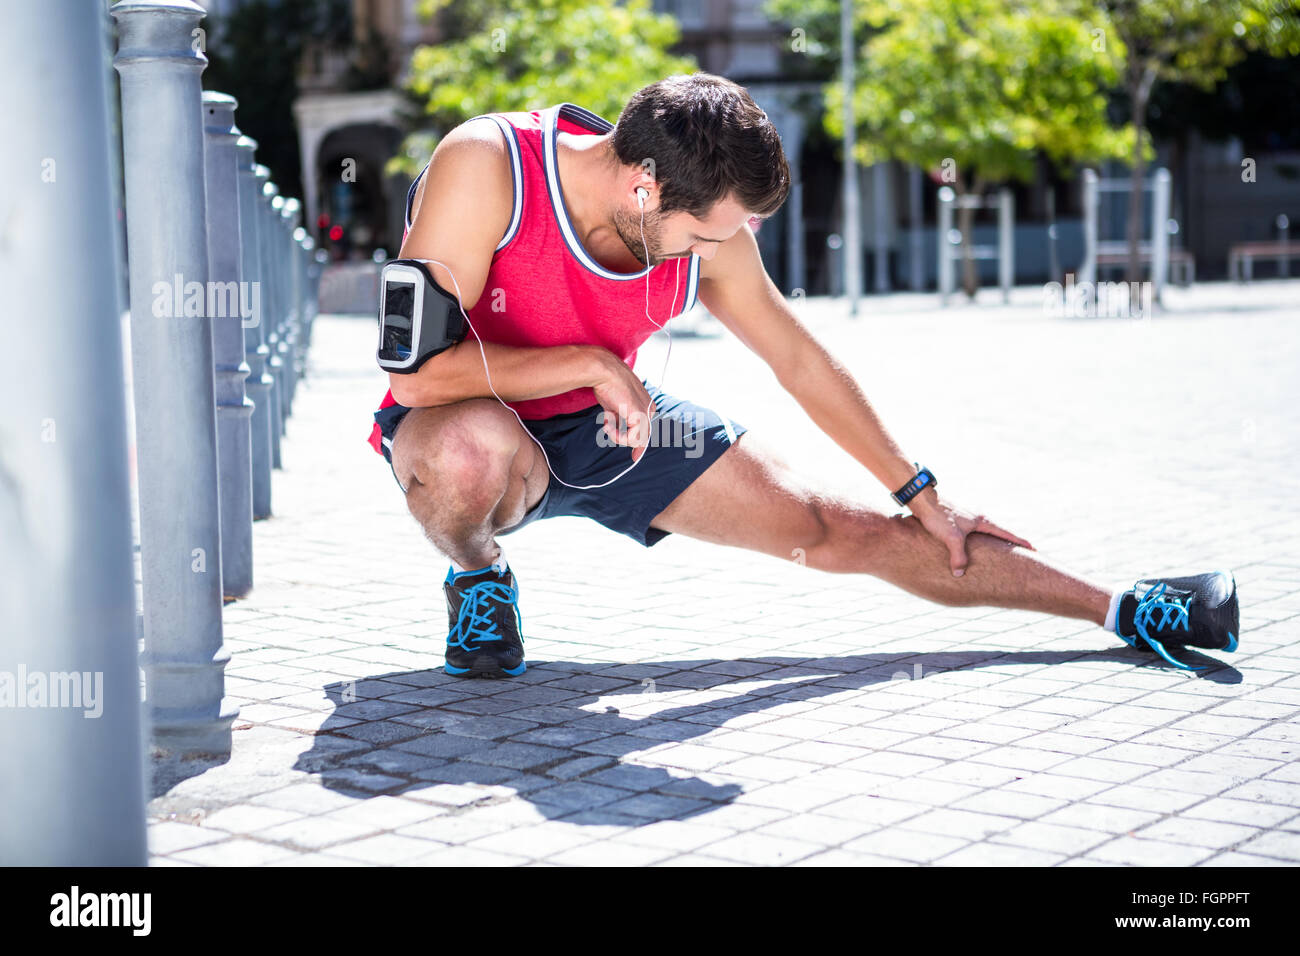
{"type": "Point", "coordinates": [690, 704]}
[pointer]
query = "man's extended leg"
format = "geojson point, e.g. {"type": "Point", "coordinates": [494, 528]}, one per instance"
{"type": "Point", "coordinates": [749, 500]}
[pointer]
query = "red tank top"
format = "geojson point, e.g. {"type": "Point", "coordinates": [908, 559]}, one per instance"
{"type": "Point", "coordinates": [544, 288]}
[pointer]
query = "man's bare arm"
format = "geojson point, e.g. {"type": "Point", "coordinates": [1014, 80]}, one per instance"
{"type": "Point", "coordinates": [736, 288]}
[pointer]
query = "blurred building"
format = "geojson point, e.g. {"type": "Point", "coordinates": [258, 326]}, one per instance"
{"type": "Point", "coordinates": [351, 116]}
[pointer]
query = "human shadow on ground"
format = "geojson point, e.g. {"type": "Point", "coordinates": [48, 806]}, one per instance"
{"type": "Point", "coordinates": [555, 738]}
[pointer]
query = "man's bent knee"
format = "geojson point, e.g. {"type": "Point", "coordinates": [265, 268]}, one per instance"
{"type": "Point", "coordinates": [467, 451]}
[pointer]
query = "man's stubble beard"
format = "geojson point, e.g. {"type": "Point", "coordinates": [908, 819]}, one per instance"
{"type": "Point", "coordinates": [629, 228]}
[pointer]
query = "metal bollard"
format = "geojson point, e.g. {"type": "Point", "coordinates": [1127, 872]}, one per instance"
{"type": "Point", "coordinates": [290, 214]}
{"type": "Point", "coordinates": [1161, 187]}
{"type": "Point", "coordinates": [1006, 241]}
{"type": "Point", "coordinates": [310, 277]}
{"type": "Point", "coordinates": [73, 789]}
{"type": "Point", "coordinates": [304, 318]}
{"type": "Point", "coordinates": [277, 325]}
{"type": "Point", "coordinates": [943, 237]}
{"type": "Point", "coordinates": [180, 528]}
{"type": "Point", "coordinates": [1088, 268]}
{"type": "Point", "coordinates": [271, 283]}
{"type": "Point", "coordinates": [234, 409]}
{"type": "Point", "coordinates": [259, 381]}
{"type": "Point", "coordinates": [277, 252]}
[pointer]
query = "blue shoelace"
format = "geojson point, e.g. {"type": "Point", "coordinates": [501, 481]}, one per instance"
{"type": "Point", "coordinates": [473, 623]}
{"type": "Point", "coordinates": [1173, 615]}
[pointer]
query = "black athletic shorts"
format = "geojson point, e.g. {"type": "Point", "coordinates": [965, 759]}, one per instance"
{"type": "Point", "coordinates": [685, 439]}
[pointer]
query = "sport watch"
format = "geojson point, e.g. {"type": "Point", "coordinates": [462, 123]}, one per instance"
{"type": "Point", "coordinates": [924, 479]}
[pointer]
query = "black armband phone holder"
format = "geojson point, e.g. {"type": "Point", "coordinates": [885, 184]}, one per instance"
{"type": "Point", "coordinates": [417, 317]}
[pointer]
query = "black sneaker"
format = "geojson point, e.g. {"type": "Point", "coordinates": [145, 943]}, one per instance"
{"type": "Point", "coordinates": [484, 637]}
{"type": "Point", "coordinates": [1199, 610]}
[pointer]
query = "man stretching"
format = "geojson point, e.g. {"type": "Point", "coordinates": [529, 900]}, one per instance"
{"type": "Point", "coordinates": [570, 241]}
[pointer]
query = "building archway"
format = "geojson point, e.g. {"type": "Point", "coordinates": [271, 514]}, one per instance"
{"type": "Point", "coordinates": [358, 204]}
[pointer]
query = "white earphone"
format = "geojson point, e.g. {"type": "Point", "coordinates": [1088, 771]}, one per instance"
{"type": "Point", "coordinates": [641, 195]}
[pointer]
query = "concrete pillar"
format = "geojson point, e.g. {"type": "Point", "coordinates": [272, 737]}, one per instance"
{"type": "Point", "coordinates": [72, 788]}
{"type": "Point", "coordinates": [916, 270]}
{"type": "Point", "coordinates": [234, 409]}
{"type": "Point", "coordinates": [881, 211]}
{"type": "Point", "coordinates": [851, 202]}
{"type": "Point", "coordinates": [176, 442]}
{"type": "Point", "coordinates": [795, 238]}
{"type": "Point", "coordinates": [1006, 241]}
{"type": "Point", "coordinates": [1160, 186]}
{"type": "Point", "coordinates": [1088, 268]}
{"type": "Point", "coordinates": [258, 385]}
{"type": "Point", "coordinates": [947, 277]}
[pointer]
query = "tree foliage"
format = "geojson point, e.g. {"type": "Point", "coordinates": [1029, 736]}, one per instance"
{"type": "Point", "coordinates": [976, 87]}
{"type": "Point", "coordinates": [1186, 41]}
{"type": "Point", "coordinates": [507, 55]}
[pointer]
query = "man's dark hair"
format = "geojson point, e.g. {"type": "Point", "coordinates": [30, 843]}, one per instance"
{"type": "Point", "coordinates": [708, 139]}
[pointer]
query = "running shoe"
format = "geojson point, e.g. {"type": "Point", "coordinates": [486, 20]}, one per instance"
{"type": "Point", "coordinates": [1198, 610]}
{"type": "Point", "coordinates": [485, 631]}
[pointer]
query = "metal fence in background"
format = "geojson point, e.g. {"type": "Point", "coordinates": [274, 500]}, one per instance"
{"type": "Point", "coordinates": [222, 291]}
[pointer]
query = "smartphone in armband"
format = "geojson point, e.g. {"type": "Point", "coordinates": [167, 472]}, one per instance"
{"type": "Point", "coordinates": [417, 317]}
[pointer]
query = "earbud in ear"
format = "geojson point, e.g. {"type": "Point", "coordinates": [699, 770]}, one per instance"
{"type": "Point", "coordinates": [641, 196]}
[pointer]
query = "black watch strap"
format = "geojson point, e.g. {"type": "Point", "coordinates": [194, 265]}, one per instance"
{"type": "Point", "coordinates": [924, 479]}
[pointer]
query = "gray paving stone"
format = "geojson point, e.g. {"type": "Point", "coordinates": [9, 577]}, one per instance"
{"type": "Point", "coordinates": [1002, 803]}
{"type": "Point", "coordinates": [1281, 845]}
{"type": "Point", "coordinates": [993, 854]}
{"type": "Point", "coordinates": [535, 842]}
{"type": "Point", "coordinates": [658, 806]}
{"type": "Point", "coordinates": [1052, 838]}
{"type": "Point", "coordinates": [388, 849]}
{"type": "Point", "coordinates": [576, 795]}
{"type": "Point", "coordinates": [314, 833]}
{"type": "Point", "coordinates": [962, 823]}
{"type": "Point", "coordinates": [1247, 812]}
{"type": "Point", "coordinates": [760, 849]}
{"type": "Point", "coordinates": [1196, 832]}
{"type": "Point", "coordinates": [461, 771]}
{"type": "Point", "coordinates": [906, 844]}
{"type": "Point", "coordinates": [516, 756]}
{"type": "Point", "coordinates": [1139, 852]}
{"type": "Point", "coordinates": [444, 744]}
{"type": "Point", "coordinates": [610, 853]}
{"type": "Point", "coordinates": [236, 852]}
{"type": "Point", "coordinates": [169, 837]}
{"type": "Point", "coordinates": [1107, 819]}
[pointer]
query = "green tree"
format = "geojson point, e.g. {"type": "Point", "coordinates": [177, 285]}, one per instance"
{"type": "Point", "coordinates": [973, 88]}
{"type": "Point", "coordinates": [508, 55]}
{"type": "Point", "coordinates": [1186, 41]}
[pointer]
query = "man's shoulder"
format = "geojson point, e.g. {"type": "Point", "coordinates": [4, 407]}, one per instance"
{"type": "Point", "coordinates": [475, 141]}
{"type": "Point", "coordinates": [472, 160]}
